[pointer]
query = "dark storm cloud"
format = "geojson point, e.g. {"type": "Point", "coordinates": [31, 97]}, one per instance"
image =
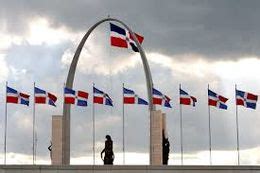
{"type": "Point", "coordinates": [214, 28]}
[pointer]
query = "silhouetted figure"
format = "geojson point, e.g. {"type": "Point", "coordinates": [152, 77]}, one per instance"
{"type": "Point", "coordinates": [166, 149]}
{"type": "Point", "coordinates": [50, 149]}
{"type": "Point", "coordinates": [108, 150]}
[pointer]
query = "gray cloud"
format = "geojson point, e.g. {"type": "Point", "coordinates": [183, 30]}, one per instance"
{"type": "Point", "coordinates": [217, 29]}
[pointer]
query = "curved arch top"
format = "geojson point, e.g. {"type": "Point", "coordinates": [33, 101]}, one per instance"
{"type": "Point", "coordinates": [70, 80]}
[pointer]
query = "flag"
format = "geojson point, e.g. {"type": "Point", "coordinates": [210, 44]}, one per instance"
{"type": "Point", "coordinates": [43, 97]}
{"type": "Point", "coordinates": [246, 99]}
{"type": "Point", "coordinates": [186, 99]}
{"type": "Point", "coordinates": [119, 37]}
{"type": "Point", "coordinates": [131, 98]}
{"type": "Point", "coordinates": [161, 99]}
{"type": "Point", "coordinates": [101, 97]}
{"type": "Point", "coordinates": [80, 98]}
{"type": "Point", "coordinates": [13, 96]}
{"type": "Point", "coordinates": [216, 100]}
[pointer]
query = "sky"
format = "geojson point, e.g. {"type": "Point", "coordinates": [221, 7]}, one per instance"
{"type": "Point", "coordinates": [192, 43]}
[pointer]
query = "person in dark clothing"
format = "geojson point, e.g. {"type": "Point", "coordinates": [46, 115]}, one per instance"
{"type": "Point", "coordinates": [166, 149]}
{"type": "Point", "coordinates": [50, 149]}
{"type": "Point", "coordinates": [108, 150]}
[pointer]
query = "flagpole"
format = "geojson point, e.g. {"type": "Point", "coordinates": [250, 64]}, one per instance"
{"type": "Point", "coordinates": [93, 118]}
{"type": "Point", "coordinates": [5, 134]}
{"type": "Point", "coordinates": [36, 140]}
{"type": "Point", "coordinates": [181, 128]}
{"type": "Point", "coordinates": [123, 127]}
{"type": "Point", "coordinates": [237, 128]}
{"type": "Point", "coordinates": [210, 147]}
{"type": "Point", "coordinates": [34, 123]}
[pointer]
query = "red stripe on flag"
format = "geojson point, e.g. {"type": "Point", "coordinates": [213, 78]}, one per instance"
{"type": "Point", "coordinates": [24, 95]}
{"type": "Point", "coordinates": [185, 101]}
{"type": "Point", "coordinates": [240, 102]}
{"type": "Point", "coordinates": [82, 94]}
{"type": "Point", "coordinates": [223, 99]}
{"type": "Point", "coordinates": [98, 100]}
{"type": "Point", "coordinates": [157, 101]}
{"type": "Point", "coordinates": [40, 100]}
{"type": "Point", "coordinates": [10, 99]}
{"type": "Point", "coordinates": [52, 97]}
{"type": "Point", "coordinates": [251, 96]}
{"type": "Point", "coordinates": [69, 100]}
{"type": "Point", "coordinates": [129, 100]}
{"type": "Point", "coordinates": [139, 38]}
{"type": "Point", "coordinates": [212, 102]}
{"type": "Point", "coordinates": [118, 42]}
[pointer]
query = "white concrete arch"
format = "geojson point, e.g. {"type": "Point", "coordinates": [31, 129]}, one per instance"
{"type": "Point", "coordinates": [70, 79]}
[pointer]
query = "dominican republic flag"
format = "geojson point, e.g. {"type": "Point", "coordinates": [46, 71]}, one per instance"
{"type": "Point", "coordinates": [131, 98]}
{"type": "Point", "coordinates": [80, 98]}
{"type": "Point", "coordinates": [246, 99]}
{"type": "Point", "coordinates": [119, 37]}
{"type": "Point", "coordinates": [186, 99]}
{"type": "Point", "coordinates": [43, 97]}
{"type": "Point", "coordinates": [216, 100]}
{"type": "Point", "coordinates": [161, 99]}
{"type": "Point", "coordinates": [101, 98]}
{"type": "Point", "coordinates": [13, 96]}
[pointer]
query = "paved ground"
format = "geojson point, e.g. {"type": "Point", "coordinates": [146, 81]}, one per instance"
{"type": "Point", "coordinates": [126, 169]}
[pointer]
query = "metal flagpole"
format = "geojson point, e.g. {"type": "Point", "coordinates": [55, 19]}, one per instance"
{"type": "Point", "coordinates": [210, 148]}
{"type": "Point", "coordinates": [123, 128]}
{"type": "Point", "coordinates": [237, 125]}
{"type": "Point", "coordinates": [181, 128]}
{"type": "Point", "coordinates": [34, 123]}
{"type": "Point", "coordinates": [93, 118]}
{"type": "Point", "coordinates": [5, 134]}
{"type": "Point", "coordinates": [36, 140]}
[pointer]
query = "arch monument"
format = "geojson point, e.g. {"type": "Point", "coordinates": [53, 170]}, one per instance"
{"type": "Point", "coordinates": [69, 83]}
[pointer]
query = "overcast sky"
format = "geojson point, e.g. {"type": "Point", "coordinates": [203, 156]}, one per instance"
{"type": "Point", "coordinates": [193, 43]}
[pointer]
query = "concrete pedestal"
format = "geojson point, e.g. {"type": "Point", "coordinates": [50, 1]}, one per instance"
{"type": "Point", "coordinates": [156, 137]}
{"type": "Point", "coordinates": [56, 153]}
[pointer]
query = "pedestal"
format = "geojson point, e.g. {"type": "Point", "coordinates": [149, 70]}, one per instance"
{"type": "Point", "coordinates": [56, 153]}
{"type": "Point", "coordinates": [156, 137]}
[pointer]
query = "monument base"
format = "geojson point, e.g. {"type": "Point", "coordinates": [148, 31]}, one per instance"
{"type": "Point", "coordinates": [158, 125]}
{"type": "Point", "coordinates": [56, 153]}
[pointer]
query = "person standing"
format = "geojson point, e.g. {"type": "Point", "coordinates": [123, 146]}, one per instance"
{"type": "Point", "coordinates": [166, 149]}
{"type": "Point", "coordinates": [108, 150]}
